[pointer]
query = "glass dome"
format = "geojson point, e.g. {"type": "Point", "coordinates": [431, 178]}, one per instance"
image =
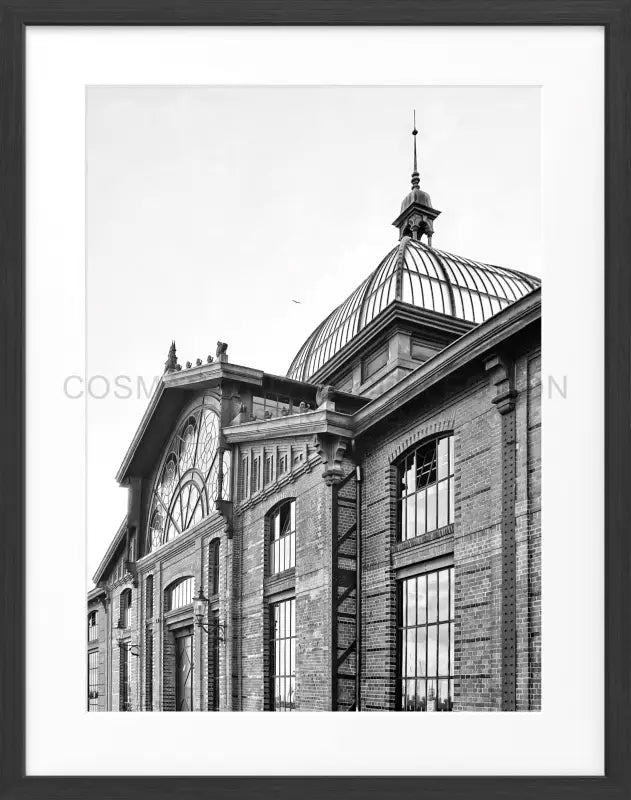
{"type": "Point", "coordinates": [422, 276]}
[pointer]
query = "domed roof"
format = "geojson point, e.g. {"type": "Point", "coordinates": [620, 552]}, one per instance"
{"type": "Point", "coordinates": [416, 196]}
{"type": "Point", "coordinates": [422, 276]}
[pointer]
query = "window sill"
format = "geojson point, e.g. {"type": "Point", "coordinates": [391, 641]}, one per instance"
{"type": "Point", "coordinates": [424, 538]}
{"type": "Point", "coordinates": [282, 582]}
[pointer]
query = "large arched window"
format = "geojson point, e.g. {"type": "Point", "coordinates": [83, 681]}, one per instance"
{"type": "Point", "coordinates": [188, 480]}
{"type": "Point", "coordinates": [426, 488]}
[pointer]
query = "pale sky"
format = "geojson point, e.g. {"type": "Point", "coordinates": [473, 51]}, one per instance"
{"type": "Point", "coordinates": [210, 209]}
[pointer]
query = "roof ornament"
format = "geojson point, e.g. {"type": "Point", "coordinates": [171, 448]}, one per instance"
{"type": "Point", "coordinates": [171, 365]}
{"type": "Point", "coordinates": [417, 216]}
{"type": "Point", "coordinates": [415, 176]}
{"type": "Point", "coordinates": [221, 353]}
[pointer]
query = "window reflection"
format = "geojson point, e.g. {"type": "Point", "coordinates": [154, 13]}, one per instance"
{"type": "Point", "coordinates": [426, 488]}
{"type": "Point", "coordinates": [426, 642]}
{"type": "Point", "coordinates": [282, 527]}
{"type": "Point", "coordinates": [283, 655]}
{"type": "Point", "coordinates": [93, 681]}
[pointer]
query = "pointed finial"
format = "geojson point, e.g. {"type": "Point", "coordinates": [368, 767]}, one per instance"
{"type": "Point", "coordinates": [415, 176]}
{"type": "Point", "coordinates": [171, 365]}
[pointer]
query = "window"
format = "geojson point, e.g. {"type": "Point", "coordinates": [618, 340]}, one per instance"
{"type": "Point", "coordinates": [149, 596]}
{"type": "Point", "coordinates": [374, 362]}
{"type": "Point", "coordinates": [213, 567]}
{"type": "Point", "coordinates": [93, 626]}
{"type": "Point", "coordinates": [188, 479]}
{"type": "Point", "coordinates": [283, 655]}
{"type": "Point", "coordinates": [272, 405]}
{"type": "Point", "coordinates": [93, 681]}
{"type": "Point", "coordinates": [282, 463]}
{"type": "Point", "coordinates": [426, 488]}
{"type": "Point", "coordinates": [179, 594]}
{"type": "Point", "coordinates": [213, 698]}
{"type": "Point", "coordinates": [426, 642]}
{"type": "Point", "coordinates": [268, 470]}
{"type": "Point", "coordinates": [243, 478]}
{"type": "Point", "coordinates": [256, 475]}
{"type": "Point", "coordinates": [149, 671]}
{"type": "Point", "coordinates": [282, 548]}
{"type": "Point", "coordinates": [125, 692]}
{"type": "Point", "coordinates": [124, 602]}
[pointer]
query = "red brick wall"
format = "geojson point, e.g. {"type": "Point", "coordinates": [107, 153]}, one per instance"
{"type": "Point", "coordinates": [474, 541]}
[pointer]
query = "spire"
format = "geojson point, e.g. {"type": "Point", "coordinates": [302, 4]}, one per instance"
{"type": "Point", "coordinates": [415, 175]}
{"type": "Point", "coordinates": [417, 214]}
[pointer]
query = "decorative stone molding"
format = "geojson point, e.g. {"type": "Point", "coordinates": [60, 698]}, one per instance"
{"type": "Point", "coordinates": [331, 449]}
{"type": "Point", "coordinates": [502, 374]}
{"type": "Point", "coordinates": [325, 397]}
{"type": "Point", "coordinates": [425, 432]}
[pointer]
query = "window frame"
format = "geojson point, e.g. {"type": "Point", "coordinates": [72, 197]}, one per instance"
{"type": "Point", "coordinates": [274, 650]}
{"type": "Point", "coordinates": [93, 687]}
{"type": "Point", "coordinates": [284, 542]}
{"type": "Point", "coordinates": [124, 608]}
{"type": "Point", "coordinates": [214, 553]}
{"type": "Point", "coordinates": [93, 629]}
{"type": "Point", "coordinates": [402, 496]}
{"type": "Point", "coordinates": [404, 624]}
{"type": "Point", "coordinates": [178, 583]}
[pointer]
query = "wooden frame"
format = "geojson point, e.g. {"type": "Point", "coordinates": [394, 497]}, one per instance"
{"type": "Point", "coordinates": [615, 16]}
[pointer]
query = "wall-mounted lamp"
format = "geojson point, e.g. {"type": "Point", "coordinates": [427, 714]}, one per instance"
{"type": "Point", "coordinates": [200, 607]}
{"type": "Point", "coordinates": [119, 632]}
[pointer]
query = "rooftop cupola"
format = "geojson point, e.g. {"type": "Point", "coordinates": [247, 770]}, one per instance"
{"type": "Point", "coordinates": [417, 215]}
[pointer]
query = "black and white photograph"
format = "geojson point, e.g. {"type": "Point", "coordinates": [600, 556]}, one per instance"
{"type": "Point", "coordinates": [313, 398]}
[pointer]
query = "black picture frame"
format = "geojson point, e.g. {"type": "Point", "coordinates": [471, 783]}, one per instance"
{"type": "Point", "coordinates": [615, 17]}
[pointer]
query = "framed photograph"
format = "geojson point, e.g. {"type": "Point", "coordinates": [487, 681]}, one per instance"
{"type": "Point", "coordinates": [287, 424]}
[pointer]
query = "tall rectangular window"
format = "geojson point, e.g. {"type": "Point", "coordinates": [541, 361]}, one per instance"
{"type": "Point", "coordinates": [283, 655]}
{"type": "Point", "coordinates": [282, 524]}
{"type": "Point", "coordinates": [243, 478]}
{"type": "Point", "coordinates": [93, 626]}
{"type": "Point", "coordinates": [213, 567]}
{"type": "Point", "coordinates": [256, 475]}
{"type": "Point", "coordinates": [426, 642]}
{"type": "Point", "coordinates": [125, 678]}
{"type": "Point", "coordinates": [426, 488]}
{"type": "Point", "coordinates": [149, 596]}
{"type": "Point", "coordinates": [213, 700]}
{"type": "Point", "coordinates": [149, 670]}
{"type": "Point", "coordinates": [268, 471]}
{"type": "Point", "coordinates": [93, 681]}
{"type": "Point", "coordinates": [124, 606]}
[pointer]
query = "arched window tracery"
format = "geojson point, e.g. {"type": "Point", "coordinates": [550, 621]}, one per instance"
{"type": "Point", "coordinates": [187, 483]}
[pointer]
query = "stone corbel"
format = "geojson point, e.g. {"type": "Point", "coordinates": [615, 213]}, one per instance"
{"type": "Point", "coordinates": [502, 375]}
{"type": "Point", "coordinates": [331, 449]}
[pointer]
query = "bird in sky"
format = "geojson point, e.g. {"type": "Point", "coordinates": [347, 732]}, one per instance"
{"type": "Point", "coordinates": [298, 302]}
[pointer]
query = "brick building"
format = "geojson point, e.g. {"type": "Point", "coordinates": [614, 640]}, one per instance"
{"type": "Point", "coordinates": [362, 533]}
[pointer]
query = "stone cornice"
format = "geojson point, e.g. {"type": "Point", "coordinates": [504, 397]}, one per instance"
{"type": "Point", "coordinates": [307, 423]}
{"type": "Point", "coordinates": [474, 344]}
{"type": "Point", "coordinates": [395, 314]}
